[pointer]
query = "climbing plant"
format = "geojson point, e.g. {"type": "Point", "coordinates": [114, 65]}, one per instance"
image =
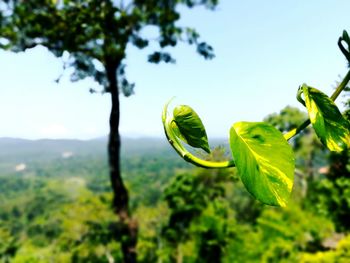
{"type": "Point", "coordinates": [260, 152]}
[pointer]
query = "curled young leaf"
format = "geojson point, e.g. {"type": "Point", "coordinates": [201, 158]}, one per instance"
{"type": "Point", "coordinates": [346, 37]}
{"type": "Point", "coordinates": [190, 127]}
{"type": "Point", "coordinates": [345, 50]}
{"type": "Point", "coordinates": [177, 132]}
{"type": "Point", "coordinates": [331, 127]}
{"type": "Point", "coordinates": [265, 161]}
{"type": "Point", "coordinates": [299, 98]}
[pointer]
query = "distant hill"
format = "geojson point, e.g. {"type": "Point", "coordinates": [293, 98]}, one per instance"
{"type": "Point", "coordinates": [11, 148]}
{"type": "Point", "coordinates": [14, 151]}
{"type": "Point", "coordinates": [48, 148]}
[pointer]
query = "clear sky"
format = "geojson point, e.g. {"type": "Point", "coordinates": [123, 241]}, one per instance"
{"type": "Point", "coordinates": [264, 51]}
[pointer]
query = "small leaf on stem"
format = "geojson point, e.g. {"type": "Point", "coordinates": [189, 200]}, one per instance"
{"type": "Point", "coordinates": [190, 127]}
{"type": "Point", "coordinates": [331, 127]}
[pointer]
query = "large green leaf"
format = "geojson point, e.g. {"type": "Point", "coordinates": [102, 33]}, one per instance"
{"type": "Point", "coordinates": [190, 127]}
{"type": "Point", "coordinates": [330, 125]}
{"type": "Point", "coordinates": [265, 161]}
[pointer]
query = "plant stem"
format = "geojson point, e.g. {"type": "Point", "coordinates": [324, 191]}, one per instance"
{"type": "Point", "coordinates": [189, 157]}
{"type": "Point", "coordinates": [183, 152]}
{"type": "Point", "coordinates": [289, 135]}
{"type": "Point", "coordinates": [341, 86]}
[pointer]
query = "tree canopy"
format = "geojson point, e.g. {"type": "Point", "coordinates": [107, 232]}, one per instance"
{"type": "Point", "coordinates": [96, 33]}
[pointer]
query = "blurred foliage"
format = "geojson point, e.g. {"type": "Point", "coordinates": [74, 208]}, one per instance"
{"type": "Point", "coordinates": [279, 236]}
{"type": "Point", "coordinates": [59, 210]}
{"type": "Point", "coordinates": [199, 215]}
{"type": "Point", "coordinates": [340, 255]}
{"type": "Point", "coordinates": [287, 119]}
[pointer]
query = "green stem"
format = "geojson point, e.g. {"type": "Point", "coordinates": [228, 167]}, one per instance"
{"type": "Point", "coordinates": [183, 152]}
{"type": "Point", "coordinates": [341, 86]}
{"type": "Point", "coordinates": [289, 135]}
{"type": "Point", "coordinates": [189, 157]}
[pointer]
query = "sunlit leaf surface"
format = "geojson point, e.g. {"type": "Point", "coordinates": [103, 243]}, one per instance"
{"type": "Point", "coordinates": [330, 126]}
{"type": "Point", "coordinates": [265, 161]}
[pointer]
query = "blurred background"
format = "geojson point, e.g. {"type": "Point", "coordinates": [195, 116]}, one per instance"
{"type": "Point", "coordinates": [229, 60]}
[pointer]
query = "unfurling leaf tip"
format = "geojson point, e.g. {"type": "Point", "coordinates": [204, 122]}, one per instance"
{"type": "Point", "coordinates": [189, 127]}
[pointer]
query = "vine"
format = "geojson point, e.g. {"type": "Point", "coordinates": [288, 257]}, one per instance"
{"type": "Point", "coordinates": [260, 152]}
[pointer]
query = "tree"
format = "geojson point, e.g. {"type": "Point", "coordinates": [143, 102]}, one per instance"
{"type": "Point", "coordinates": [95, 34]}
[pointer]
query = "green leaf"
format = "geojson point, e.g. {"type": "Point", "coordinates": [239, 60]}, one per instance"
{"type": "Point", "coordinates": [190, 127]}
{"type": "Point", "coordinates": [265, 161]}
{"type": "Point", "coordinates": [330, 125]}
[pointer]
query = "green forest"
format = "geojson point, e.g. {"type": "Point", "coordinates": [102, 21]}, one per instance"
{"type": "Point", "coordinates": [57, 208]}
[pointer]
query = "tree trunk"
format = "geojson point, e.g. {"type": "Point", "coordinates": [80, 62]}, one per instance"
{"type": "Point", "coordinates": [129, 227]}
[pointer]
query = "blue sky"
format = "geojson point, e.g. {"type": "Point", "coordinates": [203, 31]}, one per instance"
{"type": "Point", "coordinates": [264, 51]}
